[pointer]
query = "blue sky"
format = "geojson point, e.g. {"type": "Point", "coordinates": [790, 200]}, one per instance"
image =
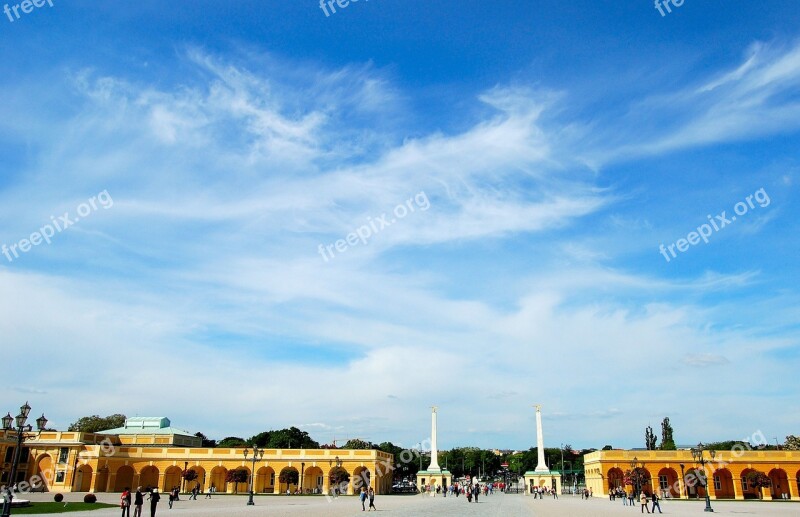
{"type": "Point", "coordinates": [542, 151]}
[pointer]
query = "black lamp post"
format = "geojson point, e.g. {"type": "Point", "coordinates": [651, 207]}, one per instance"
{"type": "Point", "coordinates": [257, 455]}
{"type": "Point", "coordinates": [21, 428]}
{"type": "Point", "coordinates": [697, 454]}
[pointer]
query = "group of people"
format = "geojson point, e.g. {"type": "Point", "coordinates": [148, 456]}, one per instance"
{"type": "Point", "coordinates": [629, 497]}
{"type": "Point", "coordinates": [126, 500]}
{"type": "Point", "coordinates": [542, 491]}
{"type": "Point", "coordinates": [367, 494]}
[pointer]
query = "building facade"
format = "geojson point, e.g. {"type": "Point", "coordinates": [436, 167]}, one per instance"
{"type": "Point", "coordinates": [156, 455]}
{"type": "Point", "coordinates": [675, 474]}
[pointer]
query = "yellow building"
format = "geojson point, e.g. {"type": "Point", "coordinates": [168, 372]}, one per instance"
{"type": "Point", "coordinates": [675, 474]}
{"type": "Point", "coordinates": [149, 452]}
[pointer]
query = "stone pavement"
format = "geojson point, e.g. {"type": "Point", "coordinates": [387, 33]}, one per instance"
{"type": "Point", "coordinates": [419, 505]}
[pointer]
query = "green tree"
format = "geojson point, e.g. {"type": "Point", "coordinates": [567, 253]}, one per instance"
{"type": "Point", "coordinates": [260, 439]}
{"type": "Point", "coordinates": [95, 423]}
{"type": "Point", "coordinates": [792, 443]}
{"type": "Point", "coordinates": [205, 441]}
{"type": "Point", "coordinates": [355, 443]}
{"type": "Point", "coordinates": [232, 441]}
{"type": "Point", "coordinates": [608, 448]}
{"type": "Point", "coordinates": [667, 441]}
{"type": "Point", "coordinates": [291, 438]}
{"type": "Point", "coordinates": [650, 439]}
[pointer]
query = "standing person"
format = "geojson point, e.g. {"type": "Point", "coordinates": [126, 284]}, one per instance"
{"type": "Point", "coordinates": [125, 502]}
{"type": "Point", "coordinates": [656, 503]}
{"type": "Point", "coordinates": [643, 500]}
{"type": "Point", "coordinates": [372, 499]}
{"type": "Point", "coordinates": [154, 499]}
{"type": "Point", "coordinates": [171, 498]}
{"type": "Point", "coordinates": [555, 493]}
{"type": "Point", "coordinates": [630, 497]}
{"type": "Point", "coordinates": [138, 501]}
{"type": "Point", "coordinates": [477, 492]}
{"type": "Point", "coordinates": [363, 498]}
{"type": "Point", "coordinates": [208, 493]}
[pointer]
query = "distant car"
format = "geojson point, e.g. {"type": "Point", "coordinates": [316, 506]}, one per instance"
{"type": "Point", "coordinates": [404, 488]}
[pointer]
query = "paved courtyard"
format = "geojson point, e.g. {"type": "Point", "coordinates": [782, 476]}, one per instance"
{"type": "Point", "coordinates": [495, 505]}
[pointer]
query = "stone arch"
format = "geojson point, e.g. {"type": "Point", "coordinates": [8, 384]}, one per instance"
{"type": "Point", "coordinates": [265, 480]}
{"type": "Point", "coordinates": [338, 477]}
{"type": "Point", "coordinates": [313, 479]}
{"type": "Point", "coordinates": [101, 479]}
{"type": "Point", "coordinates": [780, 483]}
{"type": "Point", "coordinates": [172, 478]}
{"type": "Point", "coordinates": [797, 478]}
{"type": "Point", "coordinates": [616, 478]}
{"type": "Point", "coordinates": [217, 479]}
{"type": "Point", "coordinates": [124, 478]}
{"type": "Point", "coordinates": [646, 486]}
{"type": "Point", "coordinates": [694, 481]}
{"type": "Point", "coordinates": [668, 485]}
{"type": "Point", "coordinates": [282, 485]}
{"type": "Point", "coordinates": [44, 469]}
{"type": "Point", "coordinates": [723, 484]}
{"type": "Point", "coordinates": [749, 491]}
{"type": "Point", "coordinates": [83, 478]}
{"type": "Point", "coordinates": [242, 486]}
{"type": "Point", "coordinates": [200, 482]}
{"type": "Point", "coordinates": [362, 477]}
{"type": "Point", "coordinates": [148, 477]}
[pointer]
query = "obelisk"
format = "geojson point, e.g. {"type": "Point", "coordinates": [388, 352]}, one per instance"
{"type": "Point", "coordinates": [541, 466]}
{"type": "Point", "coordinates": [434, 467]}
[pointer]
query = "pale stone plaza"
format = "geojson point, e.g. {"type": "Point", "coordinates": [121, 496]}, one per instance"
{"type": "Point", "coordinates": [421, 505]}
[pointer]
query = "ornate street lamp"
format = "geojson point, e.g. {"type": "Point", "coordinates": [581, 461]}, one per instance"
{"type": "Point", "coordinates": [257, 455]}
{"type": "Point", "coordinates": [697, 454]}
{"type": "Point", "coordinates": [21, 428]}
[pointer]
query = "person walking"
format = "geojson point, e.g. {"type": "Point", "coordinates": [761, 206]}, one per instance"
{"type": "Point", "coordinates": [643, 500]}
{"type": "Point", "coordinates": [154, 499]}
{"type": "Point", "coordinates": [363, 498]}
{"type": "Point", "coordinates": [555, 493]}
{"type": "Point", "coordinates": [171, 498]}
{"type": "Point", "coordinates": [656, 503]}
{"type": "Point", "coordinates": [138, 501]}
{"type": "Point", "coordinates": [125, 502]}
{"type": "Point", "coordinates": [477, 492]}
{"type": "Point", "coordinates": [372, 499]}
